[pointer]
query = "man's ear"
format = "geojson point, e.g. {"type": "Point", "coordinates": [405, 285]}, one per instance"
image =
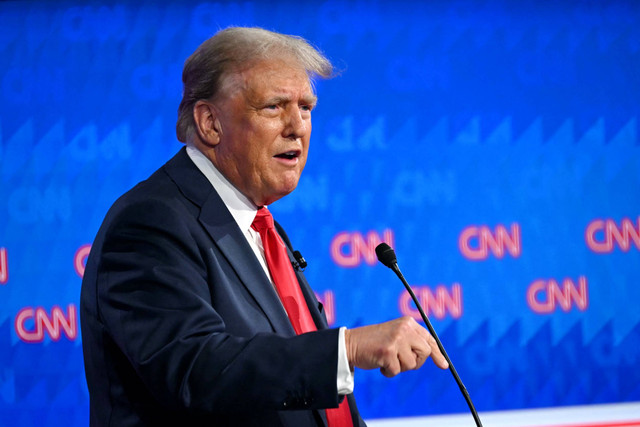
{"type": "Point", "coordinates": [207, 123]}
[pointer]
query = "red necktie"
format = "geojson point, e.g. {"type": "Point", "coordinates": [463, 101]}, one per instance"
{"type": "Point", "coordinates": [288, 288]}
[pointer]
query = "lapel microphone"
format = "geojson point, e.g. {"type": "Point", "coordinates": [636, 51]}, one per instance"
{"type": "Point", "coordinates": [387, 256]}
{"type": "Point", "coordinates": [300, 263]}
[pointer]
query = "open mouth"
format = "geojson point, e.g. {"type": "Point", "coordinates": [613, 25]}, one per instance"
{"type": "Point", "coordinates": [288, 155]}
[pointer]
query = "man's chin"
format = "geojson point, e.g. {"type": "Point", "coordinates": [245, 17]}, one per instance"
{"type": "Point", "coordinates": [277, 195]}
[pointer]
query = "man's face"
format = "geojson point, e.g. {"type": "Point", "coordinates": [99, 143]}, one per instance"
{"type": "Point", "coordinates": [265, 125]}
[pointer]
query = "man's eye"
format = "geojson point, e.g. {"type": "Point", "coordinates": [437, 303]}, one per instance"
{"type": "Point", "coordinates": [271, 107]}
{"type": "Point", "coordinates": [306, 107]}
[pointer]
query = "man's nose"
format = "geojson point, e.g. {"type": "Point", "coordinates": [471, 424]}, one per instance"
{"type": "Point", "coordinates": [296, 125]}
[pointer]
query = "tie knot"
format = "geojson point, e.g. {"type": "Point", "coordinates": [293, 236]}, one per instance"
{"type": "Point", "coordinates": [263, 220]}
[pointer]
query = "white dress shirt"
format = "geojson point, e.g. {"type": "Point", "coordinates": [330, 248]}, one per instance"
{"type": "Point", "coordinates": [244, 211]}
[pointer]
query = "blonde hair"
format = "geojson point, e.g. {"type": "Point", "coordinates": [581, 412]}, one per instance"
{"type": "Point", "coordinates": [227, 52]}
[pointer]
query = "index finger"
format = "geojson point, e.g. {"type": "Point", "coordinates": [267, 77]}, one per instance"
{"type": "Point", "coordinates": [436, 354]}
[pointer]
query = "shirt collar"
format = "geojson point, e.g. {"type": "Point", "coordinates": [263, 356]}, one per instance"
{"type": "Point", "coordinates": [241, 208]}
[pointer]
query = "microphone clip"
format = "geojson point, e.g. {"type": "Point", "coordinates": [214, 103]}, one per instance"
{"type": "Point", "coordinates": [300, 263]}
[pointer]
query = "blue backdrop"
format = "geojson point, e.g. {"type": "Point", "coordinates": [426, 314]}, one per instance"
{"type": "Point", "coordinates": [494, 144]}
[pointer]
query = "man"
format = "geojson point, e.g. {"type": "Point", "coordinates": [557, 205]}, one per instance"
{"type": "Point", "coordinates": [184, 320]}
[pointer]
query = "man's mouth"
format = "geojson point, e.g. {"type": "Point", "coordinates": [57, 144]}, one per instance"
{"type": "Point", "coordinates": [288, 155]}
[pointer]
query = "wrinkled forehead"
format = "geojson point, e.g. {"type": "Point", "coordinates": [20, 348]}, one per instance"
{"type": "Point", "coordinates": [266, 74]}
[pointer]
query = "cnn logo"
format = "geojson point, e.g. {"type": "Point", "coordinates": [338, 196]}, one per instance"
{"type": "Point", "coordinates": [603, 235]}
{"type": "Point", "coordinates": [438, 302]}
{"type": "Point", "coordinates": [350, 249]}
{"type": "Point", "coordinates": [32, 324]}
{"type": "Point", "coordinates": [478, 242]}
{"type": "Point", "coordinates": [545, 296]}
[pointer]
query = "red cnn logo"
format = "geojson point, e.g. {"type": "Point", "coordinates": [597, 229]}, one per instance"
{"type": "Point", "coordinates": [438, 304]}
{"type": "Point", "coordinates": [544, 296]}
{"type": "Point", "coordinates": [328, 301]}
{"type": "Point", "coordinates": [601, 234]}
{"type": "Point", "coordinates": [475, 243]}
{"type": "Point", "coordinates": [349, 249]}
{"type": "Point", "coordinates": [32, 323]}
{"type": "Point", "coordinates": [4, 266]}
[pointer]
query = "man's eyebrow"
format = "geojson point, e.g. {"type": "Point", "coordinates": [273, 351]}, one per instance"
{"type": "Point", "coordinates": [277, 99]}
{"type": "Point", "coordinates": [281, 99]}
{"type": "Point", "coordinates": [310, 99]}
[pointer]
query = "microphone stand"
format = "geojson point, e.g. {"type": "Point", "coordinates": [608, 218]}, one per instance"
{"type": "Point", "coordinates": [394, 266]}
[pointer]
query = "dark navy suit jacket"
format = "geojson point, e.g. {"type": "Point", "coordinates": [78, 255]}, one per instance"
{"type": "Point", "coordinates": [181, 326]}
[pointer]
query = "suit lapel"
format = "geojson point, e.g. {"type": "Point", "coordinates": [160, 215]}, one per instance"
{"type": "Point", "coordinates": [228, 238]}
{"type": "Point", "coordinates": [233, 244]}
{"type": "Point", "coordinates": [310, 298]}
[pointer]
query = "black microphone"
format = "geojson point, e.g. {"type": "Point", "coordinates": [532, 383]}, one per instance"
{"type": "Point", "coordinates": [387, 256]}
{"type": "Point", "coordinates": [300, 263]}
